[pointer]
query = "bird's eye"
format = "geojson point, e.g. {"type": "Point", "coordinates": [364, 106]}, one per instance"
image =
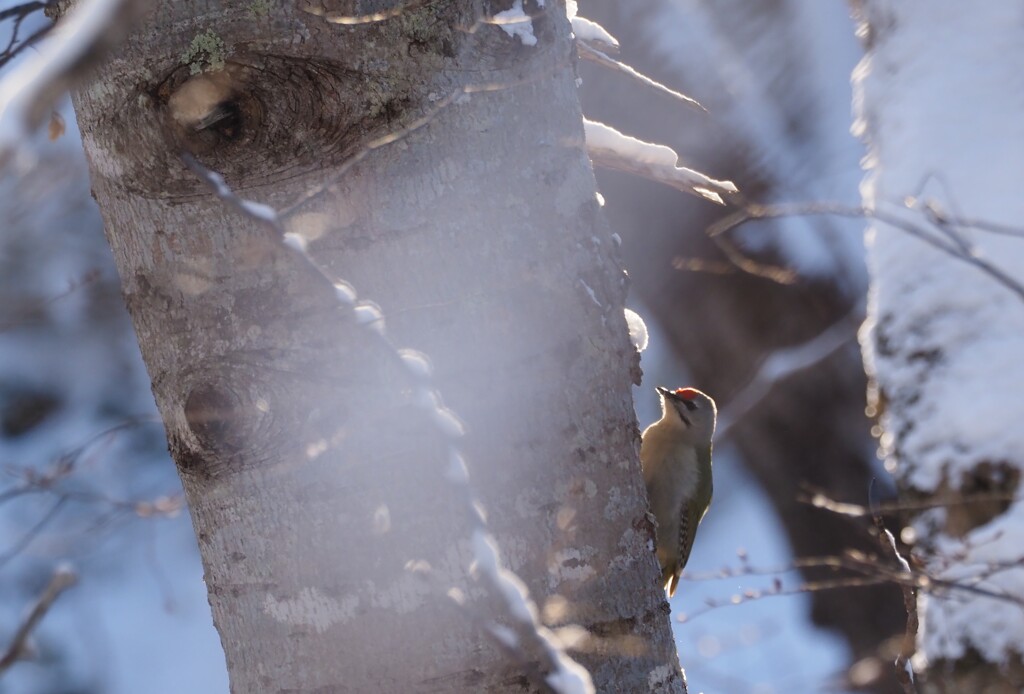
{"type": "Point", "coordinates": [690, 405]}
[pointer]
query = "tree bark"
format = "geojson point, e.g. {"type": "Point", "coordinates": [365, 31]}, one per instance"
{"type": "Point", "coordinates": [312, 474]}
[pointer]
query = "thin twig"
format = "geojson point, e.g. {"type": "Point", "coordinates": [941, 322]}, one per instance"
{"type": "Point", "coordinates": [778, 591]}
{"type": "Point", "coordinates": [819, 499]}
{"type": "Point", "coordinates": [904, 671]}
{"type": "Point", "coordinates": [62, 580]}
{"type": "Point", "coordinates": [783, 363]}
{"type": "Point", "coordinates": [590, 53]}
{"type": "Point", "coordinates": [19, 13]}
{"type": "Point", "coordinates": [757, 268]}
{"type": "Point", "coordinates": [26, 539]}
{"type": "Point", "coordinates": [870, 569]}
{"type": "Point", "coordinates": [36, 306]}
{"type": "Point", "coordinates": [951, 248]}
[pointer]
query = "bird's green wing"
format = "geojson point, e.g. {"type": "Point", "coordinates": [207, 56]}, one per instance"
{"type": "Point", "coordinates": [691, 513]}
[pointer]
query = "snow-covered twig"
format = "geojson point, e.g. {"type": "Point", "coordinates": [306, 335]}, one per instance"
{"type": "Point", "coordinates": [611, 149]}
{"type": "Point", "coordinates": [591, 33]}
{"type": "Point", "coordinates": [63, 578]}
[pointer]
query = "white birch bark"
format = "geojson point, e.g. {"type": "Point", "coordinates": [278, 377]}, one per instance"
{"type": "Point", "coordinates": [312, 475]}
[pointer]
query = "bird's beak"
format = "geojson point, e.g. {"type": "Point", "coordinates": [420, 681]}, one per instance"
{"type": "Point", "coordinates": [664, 392]}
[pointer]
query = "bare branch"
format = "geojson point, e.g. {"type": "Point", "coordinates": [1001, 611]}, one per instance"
{"type": "Point", "coordinates": [592, 54]}
{"type": "Point", "coordinates": [757, 268]}
{"type": "Point", "coordinates": [819, 499]}
{"type": "Point", "coordinates": [19, 13]}
{"type": "Point", "coordinates": [31, 534]}
{"type": "Point", "coordinates": [34, 307]}
{"type": "Point", "coordinates": [778, 591]}
{"type": "Point", "coordinates": [942, 242]}
{"type": "Point", "coordinates": [904, 671]}
{"type": "Point", "coordinates": [27, 93]}
{"type": "Point", "coordinates": [62, 580]}
{"type": "Point", "coordinates": [783, 363]}
{"type": "Point", "coordinates": [870, 570]}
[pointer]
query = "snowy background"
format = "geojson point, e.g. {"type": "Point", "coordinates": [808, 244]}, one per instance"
{"type": "Point", "coordinates": [75, 404]}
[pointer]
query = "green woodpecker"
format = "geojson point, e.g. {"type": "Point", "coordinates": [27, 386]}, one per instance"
{"type": "Point", "coordinates": [676, 458]}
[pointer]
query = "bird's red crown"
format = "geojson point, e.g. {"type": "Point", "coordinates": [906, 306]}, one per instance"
{"type": "Point", "coordinates": [686, 393]}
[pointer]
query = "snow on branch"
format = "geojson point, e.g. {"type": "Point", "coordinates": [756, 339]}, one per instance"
{"type": "Point", "coordinates": [592, 34]}
{"type": "Point", "coordinates": [522, 634]}
{"type": "Point", "coordinates": [516, 23]}
{"type": "Point", "coordinates": [612, 150]}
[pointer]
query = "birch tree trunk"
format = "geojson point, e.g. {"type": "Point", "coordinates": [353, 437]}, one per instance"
{"type": "Point", "coordinates": [940, 105]}
{"type": "Point", "coordinates": [312, 474]}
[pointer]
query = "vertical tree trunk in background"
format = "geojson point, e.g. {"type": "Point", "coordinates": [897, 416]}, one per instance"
{"type": "Point", "coordinates": [940, 107]}
{"type": "Point", "coordinates": [810, 432]}
{"type": "Point", "coordinates": [311, 474]}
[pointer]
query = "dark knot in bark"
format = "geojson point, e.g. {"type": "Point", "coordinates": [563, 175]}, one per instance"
{"type": "Point", "coordinates": [216, 415]}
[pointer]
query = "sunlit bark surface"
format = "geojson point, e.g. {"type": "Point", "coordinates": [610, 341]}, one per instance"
{"type": "Point", "coordinates": [312, 472]}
